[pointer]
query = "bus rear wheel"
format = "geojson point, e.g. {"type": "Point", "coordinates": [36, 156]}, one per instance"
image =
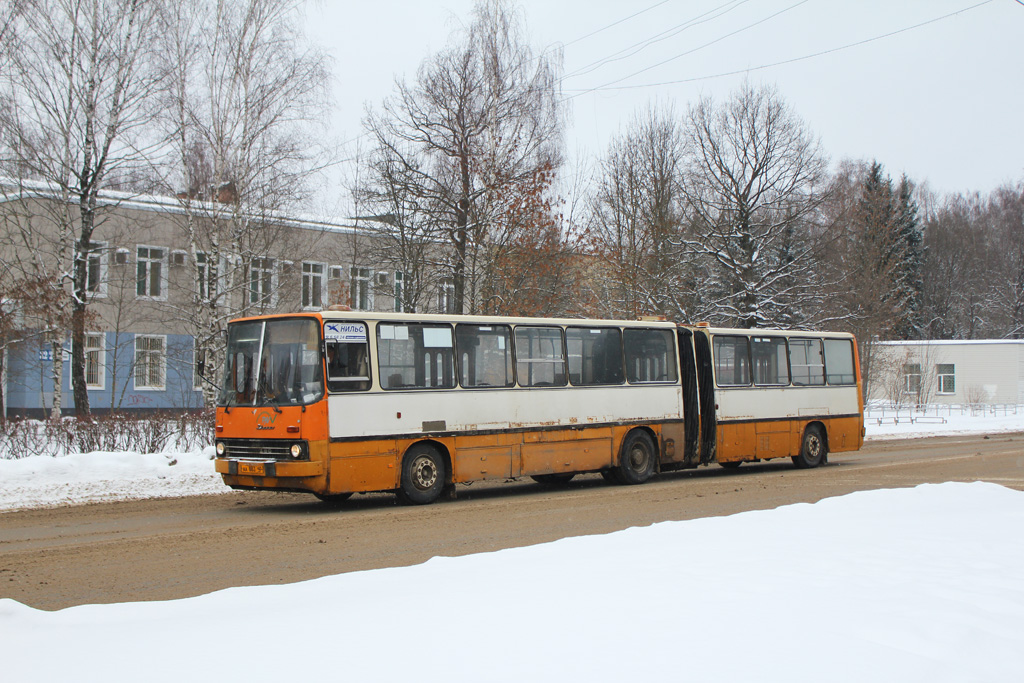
{"type": "Point", "coordinates": [813, 450]}
{"type": "Point", "coordinates": [638, 460]}
{"type": "Point", "coordinates": [423, 476]}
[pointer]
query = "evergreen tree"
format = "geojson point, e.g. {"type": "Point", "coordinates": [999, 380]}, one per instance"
{"type": "Point", "coordinates": [909, 272]}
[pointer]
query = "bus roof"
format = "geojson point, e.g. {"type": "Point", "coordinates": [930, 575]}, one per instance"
{"type": "Point", "coordinates": [388, 316]}
{"type": "Point", "coordinates": [385, 316]}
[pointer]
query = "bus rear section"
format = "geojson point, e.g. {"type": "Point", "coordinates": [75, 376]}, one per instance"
{"type": "Point", "coordinates": [781, 394]}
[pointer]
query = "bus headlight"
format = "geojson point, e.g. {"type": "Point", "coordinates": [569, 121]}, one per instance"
{"type": "Point", "coordinates": [220, 448]}
{"type": "Point", "coordinates": [296, 450]}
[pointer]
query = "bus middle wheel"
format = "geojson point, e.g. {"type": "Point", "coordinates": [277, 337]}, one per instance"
{"type": "Point", "coordinates": [423, 476]}
{"type": "Point", "coordinates": [638, 460]}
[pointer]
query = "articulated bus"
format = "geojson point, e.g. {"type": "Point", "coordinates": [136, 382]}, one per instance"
{"type": "Point", "coordinates": [340, 402]}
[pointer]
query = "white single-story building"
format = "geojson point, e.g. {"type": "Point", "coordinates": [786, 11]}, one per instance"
{"type": "Point", "coordinates": [987, 371]}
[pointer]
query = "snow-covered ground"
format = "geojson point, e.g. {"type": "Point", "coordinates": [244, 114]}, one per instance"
{"type": "Point", "coordinates": [923, 584]}
{"type": "Point", "coordinates": [43, 481]}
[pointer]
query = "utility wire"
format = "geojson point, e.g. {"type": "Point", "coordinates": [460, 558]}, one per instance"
{"type": "Point", "coordinates": [657, 38]}
{"type": "Point", "coordinates": [607, 86]}
{"type": "Point", "coordinates": [611, 86]}
{"type": "Point", "coordinates": [605, 28]}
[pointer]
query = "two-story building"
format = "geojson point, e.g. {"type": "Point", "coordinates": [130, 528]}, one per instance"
{"type": "Point", "coordinates": [164, 272]}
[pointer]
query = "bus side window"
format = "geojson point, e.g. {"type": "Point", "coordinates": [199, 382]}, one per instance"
{"type": "Point", "coordinates": [771, 365]}
{"type": "Point", "coordinates": [347, 366]}
{"type": "Point", "coordinates": [650, 356]}
{"type": "Point", "coordinates": [415, 356]}
{"type": "Point", "coordinates": [807, 362]}
{"type": "Point", "coordinates": [839, 361]}
{"type": "Point", "coordinates": [540, 361]}
{"type": "Point", "coordinates": [595, 355]}
{"type": "Point", "coordinates": [486, 355]}
{"type": "Point", "coordinates": [732, 361]}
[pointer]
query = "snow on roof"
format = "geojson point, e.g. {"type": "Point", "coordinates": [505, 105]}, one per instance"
{"type": "Point", "coordinates": [950, 342]}
{"type": "Point", "coordinates": [13, 189]}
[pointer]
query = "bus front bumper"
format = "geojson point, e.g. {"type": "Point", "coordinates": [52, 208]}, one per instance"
{"type": "Point", "coordinates": [241, 467]}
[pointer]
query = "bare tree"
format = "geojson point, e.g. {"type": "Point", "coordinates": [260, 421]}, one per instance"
{"type": "Point", "coordinates": [246, 94]}
{"type": "Point", "coordinates": [78, 90]}
{"type": "Point", "coordinates": [1006, 211]}
{"type": "Point", "coordinates": [481, 120]}
{"type": "Point", "coordinates": [754, 181]}
{"type": "Point", "coordinates": [637, 221]}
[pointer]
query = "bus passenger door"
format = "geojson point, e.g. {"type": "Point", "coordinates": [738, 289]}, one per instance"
{"type": "Point", "coordinates": [706, 396]}
{"type": "Point", "coordinates": [691, 409]}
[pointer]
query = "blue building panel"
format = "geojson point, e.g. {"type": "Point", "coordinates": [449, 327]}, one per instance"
{"type": "Point", "coordinates": [121, 382]}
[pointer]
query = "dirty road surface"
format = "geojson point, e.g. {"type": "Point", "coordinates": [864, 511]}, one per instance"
{"type": "Point", "coordinates": [175, 548]}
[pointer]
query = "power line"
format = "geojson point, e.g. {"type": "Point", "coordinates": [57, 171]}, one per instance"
{"type": "Point", "coordinates": [616, 23]}
{"type": "Point", "coordinates": [610, 86]}
{"type": "Point", "coordinates": [607, 85]}
{"type": "Point", "coordinates": [571, 42]}
{"type": "Point", "coordinates": [657, 38]}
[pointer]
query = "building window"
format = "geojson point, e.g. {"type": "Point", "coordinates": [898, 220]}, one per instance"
{"type": "Point", "coordinates": [206, 276]}
{"type": "Point", "coordinates": [94, 357]}
{"type": "Point", "coordinates": [362, 292]}
{"type": "Point", "coordinates": [150, 362]}
{"type": "Point", "coordinates": [912, 378]}
{"type": "Point", "coordinates": [150, 272]}
{"type": "Point", "coordinates": [401, 291]}
{"type": "Point", "coordinates": [946, 373]}
{"type": "Point", "coordinates": [446, 297]}
{"type": "Point", "coordinates": [313, 285]}
{"type": "Point", "coordinates": [96, 269]}
{"type": "Point", "coordinates": [261, 280]}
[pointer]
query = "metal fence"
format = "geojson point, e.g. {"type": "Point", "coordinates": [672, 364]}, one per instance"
{"type": "Point", "coordinates": [880, 413]}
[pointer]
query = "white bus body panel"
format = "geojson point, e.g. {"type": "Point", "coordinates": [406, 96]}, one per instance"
{"type": "Point", "coordinates": [767, 403]}
{"type": "Point", "coordinates": [403, 413]}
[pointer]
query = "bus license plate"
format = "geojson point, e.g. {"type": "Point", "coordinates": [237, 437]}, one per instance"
{"type": "Point", "coordinates": [253, 469]}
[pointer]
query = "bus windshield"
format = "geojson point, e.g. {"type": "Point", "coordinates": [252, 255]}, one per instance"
{"type": "Point", "coordinates": [287, 356]}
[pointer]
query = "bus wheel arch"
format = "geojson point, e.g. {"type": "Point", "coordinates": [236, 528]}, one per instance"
{"type": "Point", "coordinates": [638, 457]}
{"type": "Point", "coordinates": [426, 471]}
{"type": "Point", "coordinates": [813, 446]}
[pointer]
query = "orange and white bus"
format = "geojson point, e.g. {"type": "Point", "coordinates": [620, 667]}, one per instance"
{"type": "Point", "coordinates": [335, 403]}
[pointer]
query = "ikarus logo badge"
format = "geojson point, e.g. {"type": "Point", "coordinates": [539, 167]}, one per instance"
{"type": "Point", "coordinates": [265, 420]}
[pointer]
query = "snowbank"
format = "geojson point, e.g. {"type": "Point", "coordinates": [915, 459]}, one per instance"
{"type": "Point", "coordinates": [44, 481]}
{"type": "Point", "coordinates": [922, 584]}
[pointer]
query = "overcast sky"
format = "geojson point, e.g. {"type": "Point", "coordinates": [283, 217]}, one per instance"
{"type": "Point", "coordinates": [942, 102]}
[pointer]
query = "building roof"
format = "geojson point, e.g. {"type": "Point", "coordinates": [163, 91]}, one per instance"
{"type": "Point", "coordinates": [951, 342]}
{"type": "Point", "coordinates": [12, 189]}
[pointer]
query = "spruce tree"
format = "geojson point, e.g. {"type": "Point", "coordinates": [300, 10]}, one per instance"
{"type": "Point", "coordinates": [909, 273]}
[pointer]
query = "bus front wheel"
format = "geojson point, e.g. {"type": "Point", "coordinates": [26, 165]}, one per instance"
{"type": "Point", "coordinates": [813, 450]}
{"type": "Point", "coordinates": [638, 460]}
{"type": "Point", "coordinates": [423, 476]}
